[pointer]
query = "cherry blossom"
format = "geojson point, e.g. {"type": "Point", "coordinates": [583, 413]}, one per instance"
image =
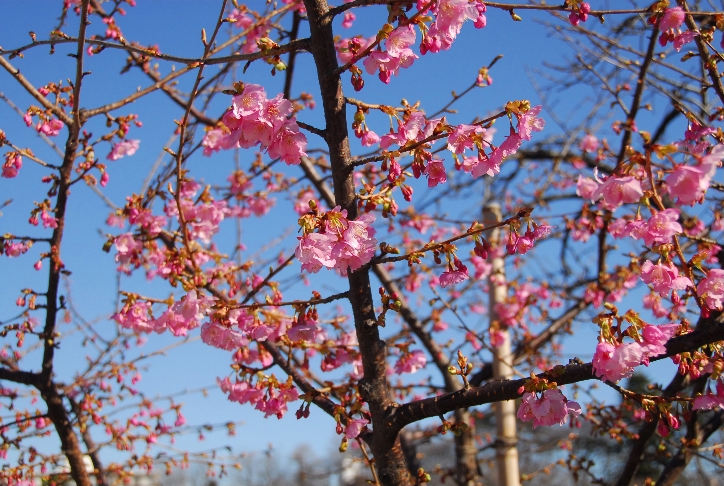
{"type": "Point", "coordinates": [255, 120]}
{"type": "Point", "coordinates": [661, 227]}
{"type": "Point", "coordinates": [710, 401]}
{"type": "Point", "coordinates": [529, 122]}
{"type": "Point", "coordinates": [688, 184]}
{"type": "Point", "coordinates": [126, 148]}
{"type": "Point", "coordinates": [354, 428]}
{"type": "Point", "coordinates": [589, 143]}
{"type": "Point", "coordinates": [664, 277]}
{"type": "Point", "coordinates": [11, 167]}
{"type": "Point", "coordinates": [711, 288]}
{"type": "Point", "coordinates": [614, 362]}
{"type": "Point", "coordinates": [616, 191]}
{"type": "Point", "coordinates": [410, 362]}
{"type": "Point", "coordinates": [456, 273]}
{"type": "Point", "coordinates": [549, 409]}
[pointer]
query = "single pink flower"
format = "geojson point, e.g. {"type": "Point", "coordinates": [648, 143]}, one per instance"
{"type": "Point", "coordinates": [551, 408]}
{"type": "Point", "coordinates": [11, 167]}
{"type": "Point", "coordinates": [123, 149]}
{"type": "Point", "coordinates": [354, 428]}
{"type": "Point", "coordinates": [435, 172]}
{"type": "Point", "coordinates": [613, 363]}
{"type": "Point", "coordinates": [529, 122]}
{"type": "Point", "coordinates": [410, 362]}
{"type": "Point", "coordinates": [672, 19]}
{"type": "Point", "coordinates": [710, 401]}
{"type": "Point", "coordinates": [616, 191]}
{"type": "Point", "coordinates": [369, 138]}
{"type": "Point", "coordinates": [457, 275]}
{"type": "Point", "coordinates": [711, 289]}
{"type": "Point", "coordinates": [661, 227]}
{"type": "Point", "coordinates": [589, 143]}
{"type": "Point", "coordinates": [663, 278]}
{"type": "Point", "coordinates": [586, 187]}
{"type": "Point", "coordinates": [655, 339]}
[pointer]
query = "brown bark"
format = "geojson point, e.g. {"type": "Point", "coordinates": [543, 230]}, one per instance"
{"type": "Point", "coordinates": [389, 458]}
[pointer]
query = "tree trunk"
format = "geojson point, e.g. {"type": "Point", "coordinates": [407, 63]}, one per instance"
{"type": "Point", "coordinates": [384, 443]}
{"type": "Point", "coordinates": [507, 438]}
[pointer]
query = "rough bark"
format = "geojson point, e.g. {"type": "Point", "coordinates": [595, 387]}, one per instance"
{"type": "Point", "coordinates": [389, 457]}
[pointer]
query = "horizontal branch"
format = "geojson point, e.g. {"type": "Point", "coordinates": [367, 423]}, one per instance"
{"type": "Point", "coordinates": [17, 376]}
{"type": "Point", "coordinates": [296, 45]}
{"type": "Point", "coordinates": [562, 375]}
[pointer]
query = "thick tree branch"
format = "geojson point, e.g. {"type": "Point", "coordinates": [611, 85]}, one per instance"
{"type": "Point", "coordinates": [562, 375]}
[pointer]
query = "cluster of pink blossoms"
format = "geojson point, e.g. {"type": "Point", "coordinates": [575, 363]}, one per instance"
{"type": "Point", "coordinates": [255, 120]}
{"type": "Point", "coordinates": [398, 54]}
{"type": "Point", "coordinates": [549, 409]}
{"type": "Point", "coordinates": [579, 11]}
{"type": "Point", "coordinates": [179, 318]}
{"type": "Point", "coordinates": [13, 164]}
{"type": "Point", "coordinates": [266, 397]}
{"type": "Point", "coordinates": [670, 27]}
{"type": "Point", "coordinates": [342, 243]}
{"type": "Point", "coordinates": [613, 362]}
{"type": "Point", "coordinates": [14, 249]}
{"type": "Point", "coordinates": [664, 277]}
{"type": "Point", "coordinates": [416, 128]}
{"type": "Point", "coordinates": [241, 20]}
{"type": "Point", "coordinates": [450, 15]}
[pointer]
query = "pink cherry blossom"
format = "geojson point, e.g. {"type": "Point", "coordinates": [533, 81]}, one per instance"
{"type": "Point", "coordinates": [710, 401]}
{"type": "Point", "coordinates": [13, 164]}
{"type": "Point", "coordinates": [586, 187]}
{"type": "Point", "coordinates": [672, 19]}
{"type": "Point", "coordinates": [462, 137]}
{"type": "Point", "coordinates": [663, 277]}
{"type": "Point", "coordinates": [711, 288]}
{"type": "Point", "coordinates": [13, 250]}
{"type": "Point", "coordinates": [613, 363]}
{"type": "Point", "coordinates": [354, 428]}
{"type": "Point", "coordinates": [348, 20]}
{"type": "Point", "coordinates": [616, 191]}
{"type": "Point", "coordinates": [655, 338]}
{"type": "Point", "coordinates": [400, 40]}
{"type": "Point", "coordinates": [688, 184]}
{"type": "Point", "coordinates": [551, 408]}
{"type": "Point", "coordinates": [456, 275]}
{"type": "Point", "coordinates": [288, 143]}
{"type": "Point", "coordinates": [123, 149]}
{"type": "Point", "coordinates": [136, 317]}
{"type": "Point", "coordinates": [369, 138]}
{"type": "Point", "coordinates": [221, 337]}
{"type": "Point", "coordinates": [579, 14]}
{"type": "Point", "coordinates": [50, 128]}
{"type": "Point", "coordinates": [661, 227]}
{"type": "Point", "coordinates": [127, 247]}
{"type": "Point", "coordinates": [314, 251]}
{"type": "Point", "coordinates": [529, 122]}
{"type": "Point", "coordinates": [410, 362]}
{"type": "Point", "coordinates": [435, 172]}
{"type": "Point", "coordinates": [589, 143]}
